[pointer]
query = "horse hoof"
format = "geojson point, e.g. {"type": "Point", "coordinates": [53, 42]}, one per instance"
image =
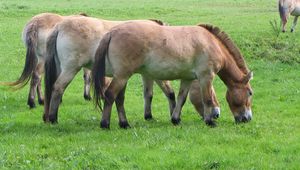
{"type": "Point", "coordinates": [53, 119]}
{"type": "Point", "coordinates": [31, 104]}
{"type": "Point", "coordinates": [104, 124]}
{"type": "Point", "coordinates": [211, 123]}
{"type": "Point", "coordinates": [292, 30]}
{"type": "Point", "coordinates": [175, 121]}
{"type": "Point", "coordinates": [148, 117]}
{"type": "Point", "coordinates": [124, 125]}
{"type": "Point", "coordinates": [41, 101]}
{"type": "Point", "coordinates": [87, 97]}
{"type": "Point", "coordinates": [45, 118]}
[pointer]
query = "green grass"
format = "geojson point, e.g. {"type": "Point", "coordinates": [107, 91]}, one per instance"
{"type": "Point", "coordinates": [270, 141]}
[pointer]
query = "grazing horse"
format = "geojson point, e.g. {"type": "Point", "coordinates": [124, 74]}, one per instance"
{"type": "Point", "coordinates": [34, 35]}
{"type": "Point", "coordinates": [287, 7]}
{"type": "Point", "coordinates": [168, 53]}
{"type": "Point", "coordinates": [71, 46]}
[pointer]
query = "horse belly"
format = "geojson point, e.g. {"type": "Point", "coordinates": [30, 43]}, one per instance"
{"type": "Point", "coordinates": [296, 11]}
{"type": "Point", "coordinates": [161, 70]}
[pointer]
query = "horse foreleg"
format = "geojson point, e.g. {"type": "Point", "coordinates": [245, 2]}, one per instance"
{"type": "Point", "coordinates": [87, 83]}
{"type": "Point", "coordinates": [294, 24]}
{"type": "Point", "coordinates": [148, 95]}
{"type": "Point", "coordinates": [166, 87]}
{"type": "Point", "coordinates": [196, 99]}
{"type": "Point", "coordinates": [184, 89]}
{"type": "Point", "coordinates": [123, 123]}
{"type": "Point", "coordinates": [111, 93]}
{"type": "Point", "coordinates": [211, 109]}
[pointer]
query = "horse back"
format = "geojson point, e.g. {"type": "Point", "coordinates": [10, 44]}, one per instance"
{"type": "Point", "coordinates": [176, 50]}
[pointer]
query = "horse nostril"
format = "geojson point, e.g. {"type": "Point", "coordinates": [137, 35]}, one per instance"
{"type": "Point", "coordinates": [244, 119]}
{"type": "Point", "coordinates": [216, 112]}
{"type": "Point", "coordinates": [217, 116]}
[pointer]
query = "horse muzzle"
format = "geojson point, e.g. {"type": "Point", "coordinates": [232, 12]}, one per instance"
{"type": "Point", "coordinates": [216, 112]}
{"type": "Point", "coordinates": [244, 116]}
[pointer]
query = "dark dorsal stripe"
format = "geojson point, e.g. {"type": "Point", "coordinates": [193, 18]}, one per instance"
{"type": "Point", "coordinates": [228, 43]}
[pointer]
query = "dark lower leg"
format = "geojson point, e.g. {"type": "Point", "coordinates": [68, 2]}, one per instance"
{"type": "Point", "coordinates": [39, 93]}
{"type": "Point", "coordinates": [110, 95]}
{"type": "Point", "coordinates": [184, 89]}
{"type": "Point", "coordinates": [166, 87]}
{"type": "Point", "coordinates": [33, 85]}
{"type": "Point", "coordinates": [87, 82]}
{"type": "Point", "coordinates": [54, 104]}
{"type": "Point", "coordinates": [148, 95]}
{"type": "Point", "coordinates": [123, 123]}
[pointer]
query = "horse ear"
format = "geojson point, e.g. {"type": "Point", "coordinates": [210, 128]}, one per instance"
{"type": "Point", "coordinates": [248, 77]}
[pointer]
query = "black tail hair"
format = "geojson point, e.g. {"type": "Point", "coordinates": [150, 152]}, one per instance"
{"type": "Point", "coordinates": [98, 71]}
{"type": "Point", "coordinates": [51, 69]}
{"type": "Point", "coordinates": [31, 35]}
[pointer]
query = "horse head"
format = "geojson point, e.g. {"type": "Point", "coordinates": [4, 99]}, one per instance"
{"type": "Point", "coordinates": [239, 99]}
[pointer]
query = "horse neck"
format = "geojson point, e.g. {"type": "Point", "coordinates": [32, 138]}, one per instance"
{"type": "Point", "coordinates": [230, 73]}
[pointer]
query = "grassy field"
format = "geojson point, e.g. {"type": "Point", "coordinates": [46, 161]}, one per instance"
{"type": "Point", "coordinates": [269, 141]}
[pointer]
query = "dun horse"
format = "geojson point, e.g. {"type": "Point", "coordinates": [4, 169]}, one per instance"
{"type": "Point", "coordinates": [286, 8]}
{"type": "Point", "coordinates": [71, 46]}
{"type": "Point", "coordinates": [34, 36]}
{"type": "Point", "coordinates": [168, 53]}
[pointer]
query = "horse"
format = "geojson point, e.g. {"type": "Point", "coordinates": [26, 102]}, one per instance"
{"type": "Point", "coordinates": [286, 8]}
{"type": "Point", "coordinates": [34, 36]}
{"type": "Point", "coordinates": [71, 46]}
{"type": "Point", "coordinates": [168, 53]}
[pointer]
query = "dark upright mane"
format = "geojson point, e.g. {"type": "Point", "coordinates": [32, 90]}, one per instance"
{"type": "Point", "coordinates": [159, 22]}
{"type": "Point", "coordinates": [83, 14]}
{"type": "Point", "coordinates": [228, 43]}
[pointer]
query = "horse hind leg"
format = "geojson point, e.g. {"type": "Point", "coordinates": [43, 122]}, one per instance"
{"type": "Point", "coordinates": [181, 98]}
{"type": "Point", "coordinates": [87, 83]}
{"type": "Point", "coordinates": [34, 85]}
{"type": "Point", "coordinates": [40, 70]}
{"type": "Point", "coordinates": [294, 24]}
{"type": "Point", "coordinates": [111, 93]}
{"type": "Point", "coordinates": [123, 123]}
{"type": "Point", "coordinates": [32, 90]}
{"type": "Point", "coordinates": [148, 95]}
{"type": "Point", "coordinates": [60, 85]}
{"type": "Point", "coordinates": [166, 87]}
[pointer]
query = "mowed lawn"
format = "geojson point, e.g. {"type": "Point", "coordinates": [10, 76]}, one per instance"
{"type": "Point", "coordinates": [270, 141]}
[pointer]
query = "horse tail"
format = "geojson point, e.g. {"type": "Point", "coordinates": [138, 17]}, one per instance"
{"type": "Point", "coordinates": [98, 71]}
{"type": "Point", "coordinates": [282, 11]}
{"type": "Point", "coordinates": [30, 36]}
{"type": "Point", "coordinates": [51, 66]}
